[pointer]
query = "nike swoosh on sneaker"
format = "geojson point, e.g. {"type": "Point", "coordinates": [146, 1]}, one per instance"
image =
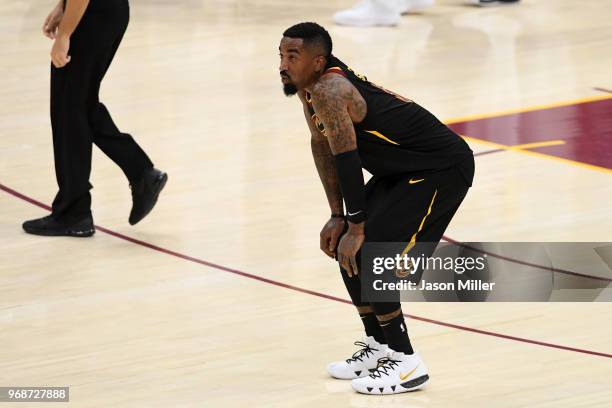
{"type": "Point", "coordinates": [405, 376]}
{"type": "Point", "coordinates": [412, 181]}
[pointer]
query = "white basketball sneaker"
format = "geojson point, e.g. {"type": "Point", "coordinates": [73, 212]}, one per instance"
{"type": "Point", "coordinates": [414, 6]}
{"type": "Point", "coordinates": [361, 363]}
{"type": "Point", "coordinates": [396, 373]}
{"type": "Point", "coordinates": [368, 13]}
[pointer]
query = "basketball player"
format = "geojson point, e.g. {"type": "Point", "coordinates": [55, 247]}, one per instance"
{"type": "Point", "coordinates": [86, 35]}
{"type": "Point", "coordinates": [421, 173]}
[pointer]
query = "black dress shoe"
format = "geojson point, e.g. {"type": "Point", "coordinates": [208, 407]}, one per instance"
{"type": "Point", "coordinates": [50, 227]}
{"type": "Point", "coordinates": [145, 193]}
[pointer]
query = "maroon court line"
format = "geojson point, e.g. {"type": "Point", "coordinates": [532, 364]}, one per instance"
{"type": "Point", "coordinates": [302, 290]}
{"type": "Point", "coordinates": [518, 261]}
{"type": "Point", "coordinates": [597, 88]}
{"type": "Point", "coordinates": [489, 152]}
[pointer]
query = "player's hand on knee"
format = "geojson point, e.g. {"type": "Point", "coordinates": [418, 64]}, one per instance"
{"type": "Point", "coordinates": [350, 244]}
{"type": "Point", "coordinates": [331, 232]}
{"type": "Point", "coordinates": [52, 21]}
{"type": "Point", "coordinates": [59, 51]}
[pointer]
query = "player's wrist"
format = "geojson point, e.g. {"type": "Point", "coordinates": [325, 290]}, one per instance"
{"type": "Point", "coordinates": [356, 229]}
{"type": "Point", "coordinates": [62, 35]}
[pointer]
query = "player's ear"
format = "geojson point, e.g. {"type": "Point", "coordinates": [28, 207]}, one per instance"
{"type": "Point", "coordinates": [320, 63]}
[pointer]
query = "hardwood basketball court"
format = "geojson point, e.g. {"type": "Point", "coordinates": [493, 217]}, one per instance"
{"type": "Point", "coordinates": [221, 297]}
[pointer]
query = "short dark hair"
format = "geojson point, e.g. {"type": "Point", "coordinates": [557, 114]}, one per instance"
{"type": "Point", "coordinates": [312, 34]}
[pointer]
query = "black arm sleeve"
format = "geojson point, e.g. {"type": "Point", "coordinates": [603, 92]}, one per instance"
{"type": "Point", "coordinates": [350, 177]}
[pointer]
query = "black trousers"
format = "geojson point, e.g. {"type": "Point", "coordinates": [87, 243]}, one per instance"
{"type": "Point", "coordinates": [403, 208]}
{"type": "Point", "coordinates": [78, 119]}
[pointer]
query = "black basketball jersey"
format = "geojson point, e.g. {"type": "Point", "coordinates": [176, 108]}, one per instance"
{"type": "Point", "coordinates": [398, 136]}
{"type": "Point", "coordinates": [102, 5]}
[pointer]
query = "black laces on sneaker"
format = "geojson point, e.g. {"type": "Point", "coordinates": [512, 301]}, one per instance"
{"type": "Point", "coordinates": [385, 365]}
{"type": "Point", "coordinates": [359, 355]}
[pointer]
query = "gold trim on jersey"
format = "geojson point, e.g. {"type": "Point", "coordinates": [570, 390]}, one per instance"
{"type": "Point", "coordinates": [381, 136]}
{"type": "Point", "coordinates": [413, 239]}
{"type": "Point", "coordinates": [335, 70]}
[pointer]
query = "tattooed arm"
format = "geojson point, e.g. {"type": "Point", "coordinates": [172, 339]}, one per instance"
{"type": "Point", "coordinates": [324, 161]}
{"type": "Point", "coordinates": [331, 97]}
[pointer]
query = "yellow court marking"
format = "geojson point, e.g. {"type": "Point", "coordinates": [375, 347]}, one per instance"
{"type": "Point", "coordinates": [537, 144]}
{"type": "Point", "coordinates": [528, 109]}
{"type": "Point", "coordinates": [516, 147]}
{"type": "Point", "coordinates": [522, 148]}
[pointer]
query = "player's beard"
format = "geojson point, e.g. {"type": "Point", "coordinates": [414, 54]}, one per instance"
{"type": "Point", "coordinates": [289, 89]}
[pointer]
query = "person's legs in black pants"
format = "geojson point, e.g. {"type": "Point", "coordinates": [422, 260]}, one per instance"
{"type": "Point", "coordinates": [72, 136]}
{"type": "Point", "coordinates": [119, 147]}
{"type": "Point", "coordinates": [78, 119]}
